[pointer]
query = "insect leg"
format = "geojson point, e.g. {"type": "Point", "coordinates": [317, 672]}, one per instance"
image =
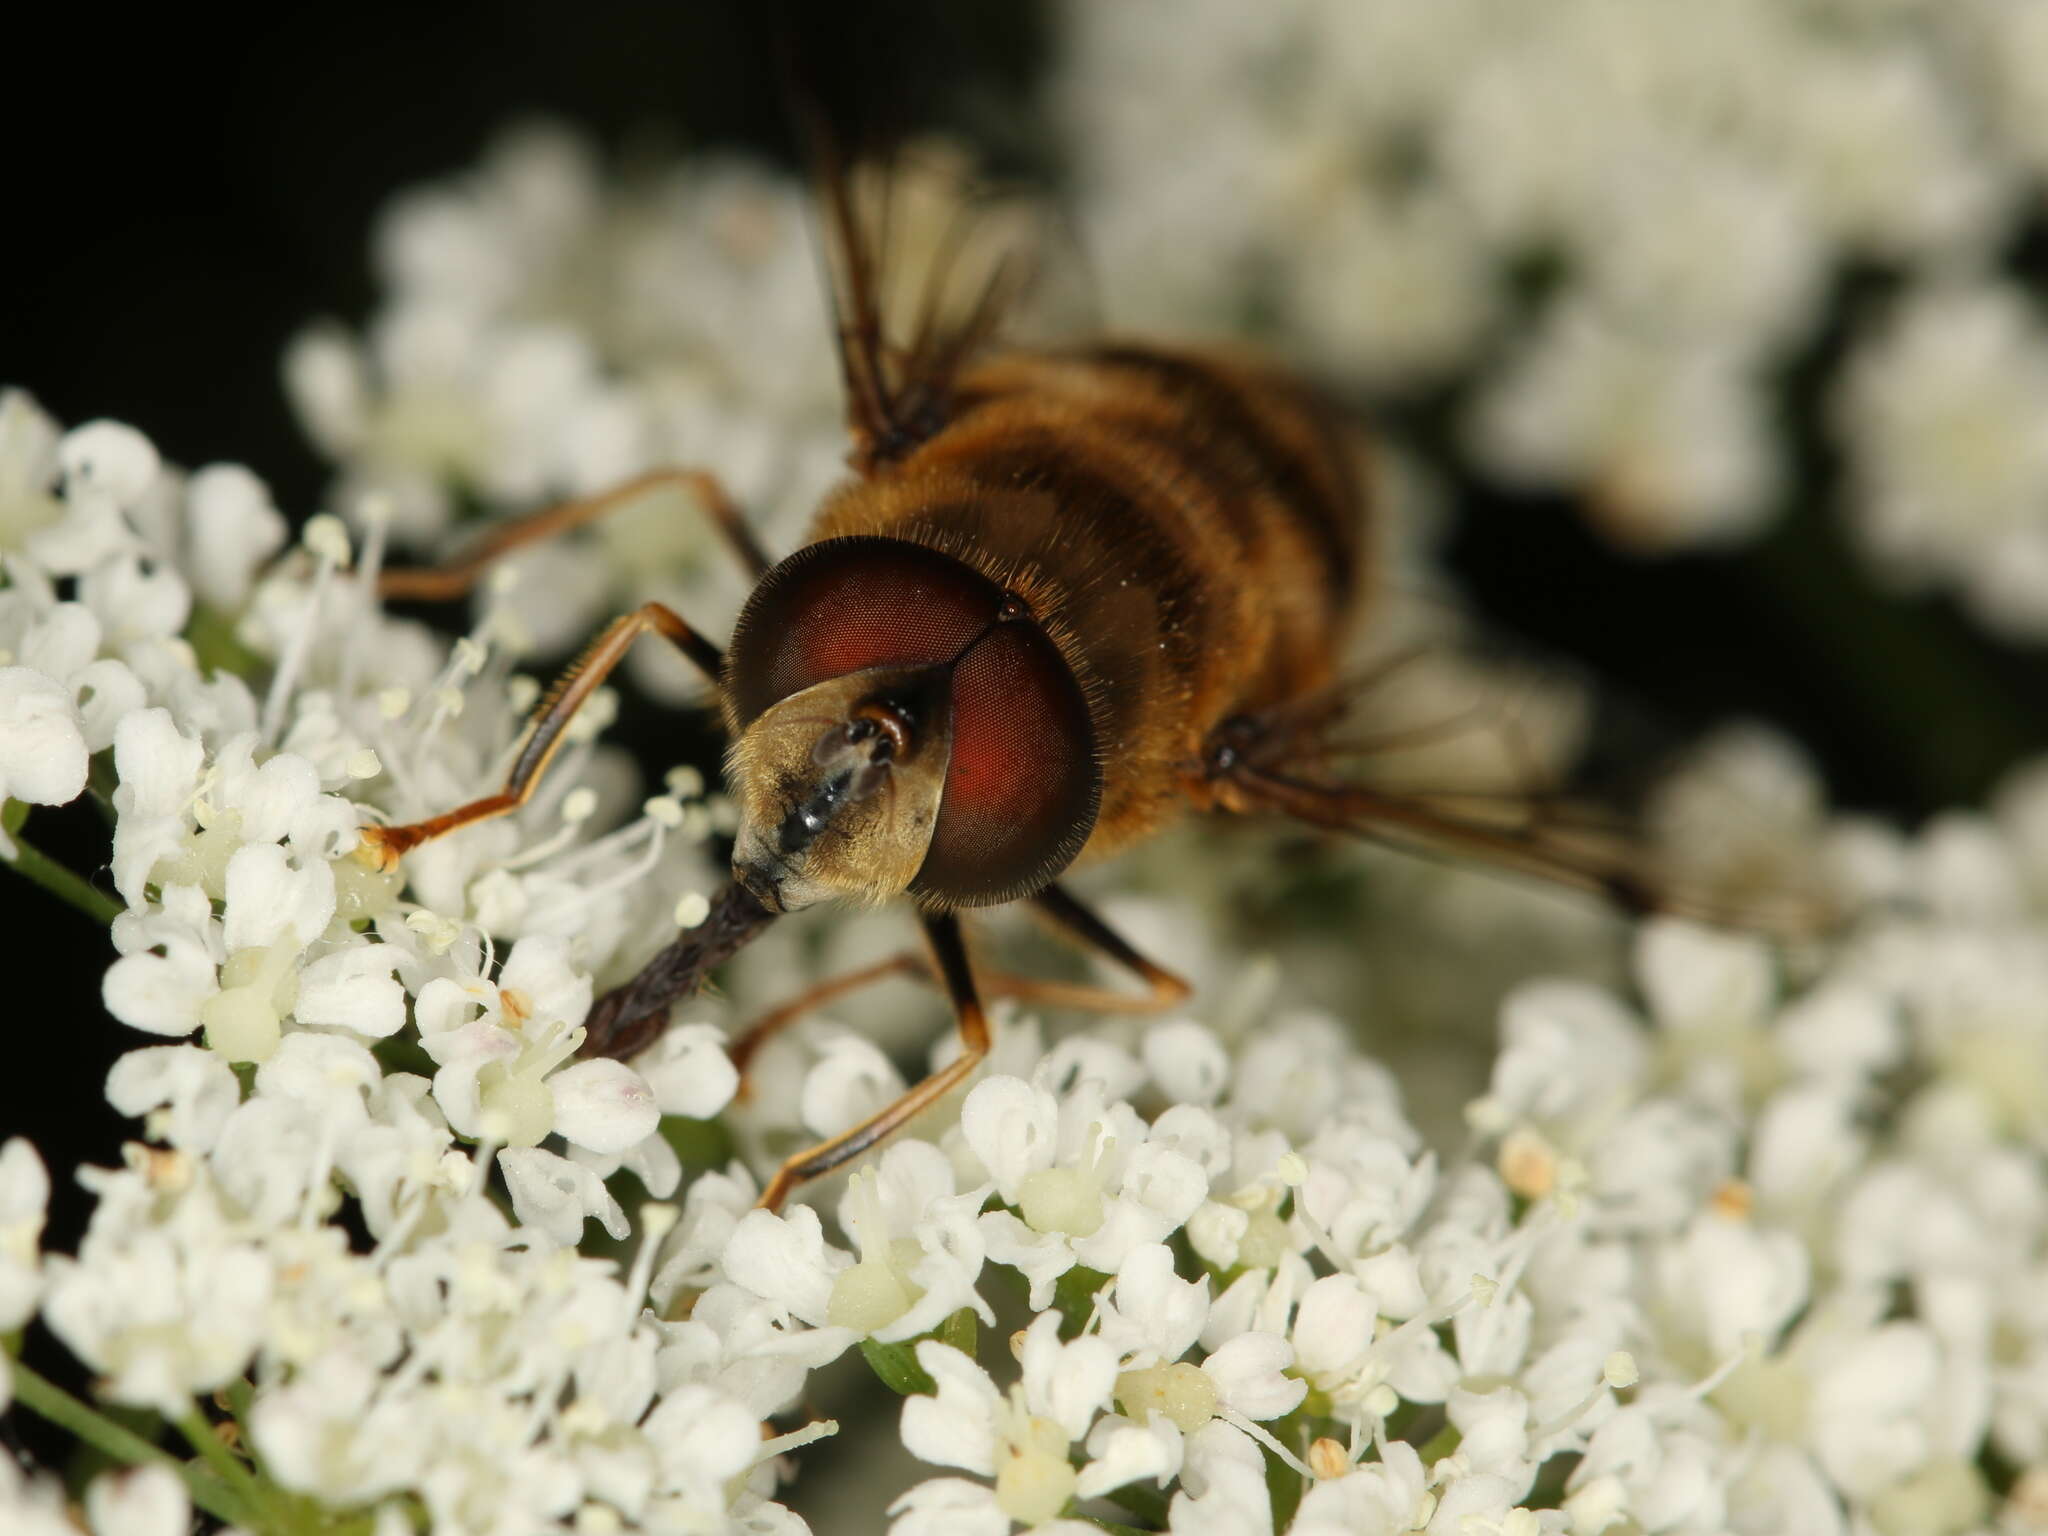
{"type": "Point", "coordinates": [440, 583]}
{"type": "Point", "coordinates": [950, 951]}
{"type": "Point", "coordinates": [1162, 988]}
{"type": "Point", "coordinates": [771, 1024]}
{"type": "Point", "coordinates": [382, 846]}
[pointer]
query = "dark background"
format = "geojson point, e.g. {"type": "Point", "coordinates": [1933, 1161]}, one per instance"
{"type": "Point", "coordinates": [186, 195]}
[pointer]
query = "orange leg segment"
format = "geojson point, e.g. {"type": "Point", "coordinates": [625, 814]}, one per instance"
{"type": "Point", "coordinates": [949, 950]}
{"type": "Point", "coordinates": [1163, 989]}
{"type": "Point", "coordinates": [442, 583]}
{"type": "Point", "coordinates": [383, 846]}
{"type": "Point", "coordinates": [949, 959]}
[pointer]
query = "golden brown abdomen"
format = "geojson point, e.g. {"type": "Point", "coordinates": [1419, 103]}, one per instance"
{"type": "Point", "coordinates": [1188, 527]}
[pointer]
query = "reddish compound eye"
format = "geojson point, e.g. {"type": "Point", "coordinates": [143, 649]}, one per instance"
{"type": "Point", "coordinates": [1022, 785]}
{"type": "Point", "coordinates": [844, 605]}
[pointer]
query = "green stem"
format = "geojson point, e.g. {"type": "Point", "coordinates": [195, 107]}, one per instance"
{"type": "Point", "coordinates": [52, 1402]}
{"type": "Point", "coordinates": [55, 878]}
{"type": "Point", "coordinates": [229, 1468]}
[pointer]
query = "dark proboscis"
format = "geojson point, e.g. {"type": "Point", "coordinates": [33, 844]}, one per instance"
{"type": "Point", "coordinates": [628, 1019]}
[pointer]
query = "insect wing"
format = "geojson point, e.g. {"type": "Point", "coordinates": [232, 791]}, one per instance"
{"type": "Point", "coordinates": [928, 267]}
{"type": "Point", "coordinates": [1481, 783]}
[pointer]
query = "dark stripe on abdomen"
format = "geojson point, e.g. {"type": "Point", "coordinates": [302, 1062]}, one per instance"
{"type": "Point", "coordinates": [1218, 400]}
{"type": "Point", "coordinates": [1133, 529]}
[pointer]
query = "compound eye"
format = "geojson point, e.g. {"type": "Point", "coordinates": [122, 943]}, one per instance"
{"type": "Point", "coordinates": [1022, 784]}
{"type": "Point", "coordinates": [845, 605]}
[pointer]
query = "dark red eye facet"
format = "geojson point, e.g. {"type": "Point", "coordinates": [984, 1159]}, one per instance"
{"type": "Point", "coordinates": [1022, 784]}
{"type": "Point", "coordinates": [844, 605]}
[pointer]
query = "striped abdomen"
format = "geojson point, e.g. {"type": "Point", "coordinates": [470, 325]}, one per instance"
{"type": "Point", "coordinates": [1187, 528]}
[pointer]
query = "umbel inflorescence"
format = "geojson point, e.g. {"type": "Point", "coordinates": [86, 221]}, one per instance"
{"type": "Point", "coordinates": [1750, 1241]}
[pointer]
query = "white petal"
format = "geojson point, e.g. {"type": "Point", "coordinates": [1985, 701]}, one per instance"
{"type": "Point", "coordinates": [275, 796]}
{"type": "Point", "coordinates": [552, 1194]}
{"type": "Point", "coordinates": [1187, 1061]}
{"type": "Point", "coordinates": [62, 642]}
{"type": "Point", "coordinates": [690, 1072]}
{"type": "Point", "coordinates": [955, 1427]}
{"type": "Point", "coordinates": [109, 457]}
{"type": "Point", "coordinates": [135, 602]}
{"type": "Point", "coordinates": [1333, 1324]}
{"type": "Point", "coordinates": [1012, 1128]}
{"type": "Point", "coordinates": [1041, 1257]}
{"type": "Point", "coordinates": [948, 1506]}
{"type": "Point", "coordinates": [850, 1081]}
{"type": "Point", "coordinates": [1162, 1312]}
{"type": "Point", "coordinates": [231, 528]}
{"type": "Point", "coordinates": [138, 1501]}
{"type": "Point", "coordinates": [352, 989]}
{"type": "Point", "coordinates": [1121, 1451]}
{"type": "Point", "coordinates": [1247, 1372]}
{"type": "Point", "coordinates": [1068, 1383]}
{"type": "Point", "coordinates": [551, 990]}
{"type": "Point", "coordinates": [323, 374]}
{"type": "Point", "coordinates": [197, 1088]}
{"type": "Point", "coordinates": [603, 1105]}
{"type": "Point", "coordinates": [42, 749]}
{"type": "Point", "coordinates": [1697, 976]}
{"type": "Point", "coordinates": [107, 692]}
{"type": "Point", "coordinates": [704, 1439]}
{"type": "Point", "coordinates": [161, 994]}
{"type": "Point", "coordinates": [157, 764]}
{"type": "Point", "coordinates": [785, 1259]}
{"type": "Point", "coordinates": [270, 902]}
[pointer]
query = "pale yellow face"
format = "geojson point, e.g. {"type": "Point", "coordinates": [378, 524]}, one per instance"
{"type": "Point", "coordinates": [839, 788]}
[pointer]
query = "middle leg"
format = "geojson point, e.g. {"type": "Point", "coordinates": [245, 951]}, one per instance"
{"type": "Point", "coordinates": [949, 953]}
{"type": "Point", "coordinates": [1163, 989]}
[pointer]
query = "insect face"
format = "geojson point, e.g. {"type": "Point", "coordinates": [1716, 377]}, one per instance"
{"type": "Point", "coordinates": [840, 786]}
{"type": "Point", "coordinates": [901, 723]}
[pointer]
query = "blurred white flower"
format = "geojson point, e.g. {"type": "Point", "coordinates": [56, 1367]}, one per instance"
{"type": "Point", "coordinates": [1944, 413]}
{"type": "Point", "coordinates": [1644, 204]}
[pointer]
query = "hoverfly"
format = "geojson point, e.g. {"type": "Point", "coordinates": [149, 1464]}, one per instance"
{"type": "Point", "coordinates": [1067, 595]}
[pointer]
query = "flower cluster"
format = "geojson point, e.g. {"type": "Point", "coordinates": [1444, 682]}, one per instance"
{"type": "Point", "coordinates": [1608, 223]}
{"type": "Point", "coordinates": [351, 1050]}
{"type": "Point", "coordinates": [547, 332]}
{"type": "Point", "coordinates": [1751, 1239]}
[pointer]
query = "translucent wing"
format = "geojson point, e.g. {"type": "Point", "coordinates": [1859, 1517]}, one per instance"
{"type": "Point", "coordinates": [927, 266]}
{"type": "Point", "coordinates": [1479, 783]}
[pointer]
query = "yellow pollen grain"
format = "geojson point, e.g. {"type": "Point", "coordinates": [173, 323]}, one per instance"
{"type": "Point", "coordinates": [1527, 1164]}
{"type": "Point", "coordinates": [1328, 1459]}
{"type": "Point", "coordinates": [1733, 1201]}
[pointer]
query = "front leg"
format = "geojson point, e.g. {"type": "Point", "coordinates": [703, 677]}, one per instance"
{"type": "Point", "coordinates": [383, 846]}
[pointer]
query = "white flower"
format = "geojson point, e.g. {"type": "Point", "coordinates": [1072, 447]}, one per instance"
{"type": "Point", "coordinates": [1021, 1439]}
{"type": "Point", "coordinates": [689, 1071]}
{"type": "Point", "coordinates": [231, 528]}
{"type": "Point", "coordinates": [496, 1068]}
{"type": "Point", "coordinates": [1088, 1183]}
{"type": "Point", "coordinates": [24, 1198]}
{"type": "Point", "coordinates": [1938, 410]}
{"type": "Point", "coordinates": [165, 1308]}
{"type": "Point", "coordinates": [44, 757]}
{"type": "Point", "coordinates": [919, 1250]}
{"type": "Point", "coordinates": [139, 1501]}
{"type": "Point", "coordinates": [554, 1195]}
{"type": "Point", "coordinates": [28, 468]}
